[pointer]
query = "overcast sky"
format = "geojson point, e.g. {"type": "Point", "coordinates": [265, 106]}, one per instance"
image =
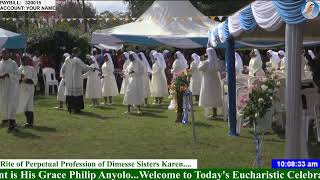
{"type": "Point", "coordinates": [111, 6]}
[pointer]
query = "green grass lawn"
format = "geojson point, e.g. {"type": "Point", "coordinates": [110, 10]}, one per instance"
{"type": "Point", "coordinates": [106, 133]}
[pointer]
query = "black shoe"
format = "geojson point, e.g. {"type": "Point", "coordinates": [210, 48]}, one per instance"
{"type": "Point", "coordinates": [5, 122]}
{"type": "Point", "coordinates": [30, 117]}
{"type": "Point", "coordinates": [28, 126]}
{"type": "Point", "coordinates": [12, 125]}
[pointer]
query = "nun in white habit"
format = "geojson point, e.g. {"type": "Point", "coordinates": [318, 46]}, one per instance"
{"type": "Point", "coordinates": [134, 91]}
{"type": "Point", "coordinates": [147, 73]}
{"type": "Point", "coordinates": [274, 59]}
{"type": "Point", "coordinates": [210, 84]}
{"type": "Point", "coordinates": [180, 64]}
{"type": "Point", "coordinates": [195, 80]}
{"type": "Point", "coordinates": [108, 81]}
{"type": "Point", "coordinates": [282, 57]}
{"type": "Point", "coordinates": [125, 80]}
{"type": "Point", "coordinates": [307, 68]}
{"type": "Point", "coordinates": [304, 67]}
{"type": "Point", "coordinates": [61, 97]}
{"type": "Point", "coordinates": [255, 65]}
{"type": "Point", "coordinates": [159, 86]}
{"type": "Point", "coordinates": [93, 88]}
{"type": "Point", "coordinates": [238, 63]}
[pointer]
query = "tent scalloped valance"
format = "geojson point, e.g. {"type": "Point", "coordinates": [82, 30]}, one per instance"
{"type": "Point", "coordinates": [268, 15]}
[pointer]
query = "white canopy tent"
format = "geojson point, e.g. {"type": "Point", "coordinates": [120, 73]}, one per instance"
{"type": "Point", "coordinates": [173, 23]}
{"type": "Point", "coordinates": [11, 40]}
{"type": "Point", "coordinates": [107, 47]}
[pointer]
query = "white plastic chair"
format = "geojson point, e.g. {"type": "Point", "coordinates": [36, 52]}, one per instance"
{"type": "Point", "coordinates": [242, 90]}
{"type": "Point", "coordinates": [317, 120]}
{"type": "Point", "coordinates": [308, 74]}
{"type": "Point", "coordinates": [312, 99]}
{"type": "Point", "coordinates": [243, 80]}
{"type": "Point", "coordinates": [224, 96]}
{"type": "Point", "coordinates": [279, 106]}
{"type": "Point", "coordinates": [49, 78]}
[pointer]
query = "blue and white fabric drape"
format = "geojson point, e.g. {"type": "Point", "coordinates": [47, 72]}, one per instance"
{"type": "Point", "coordinates": [234, 25]}
{"type": "Point", "coordinates": [267, 15]}
{"type": "Point", "coordinates": [247, 21]}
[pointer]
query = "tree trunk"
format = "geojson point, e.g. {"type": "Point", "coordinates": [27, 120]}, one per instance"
{"type": "Point", "coordinates": [17, 19]}
{"type": "Point", "coordinates": [26, 15]}
{"type": "Point", "coordinates": [84, 15]}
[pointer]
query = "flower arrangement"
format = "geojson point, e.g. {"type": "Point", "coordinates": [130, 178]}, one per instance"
{"type": "Point", "coordinates": [254, 105]}
{"type": "Point", "coordinates": [258, 100]}
{"type": "Point", "coordinates": [179, 85]}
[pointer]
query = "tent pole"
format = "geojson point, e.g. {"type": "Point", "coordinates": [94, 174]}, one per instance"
{"type": "Point", "coordinates": [231, 87]}
{"type": "Point", "coordinates": [193, 120]}
{"type": "Point", "coordinates": [294, 143]}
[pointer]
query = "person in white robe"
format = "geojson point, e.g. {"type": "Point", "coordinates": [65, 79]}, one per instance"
{"type": "Point", "coordinates": [125, 80]}
{"type": "Point", "coordinates": [61, 98]}
{"type": "Point", "coordinates": [210, 84]}
{"type": "Point", "coordinates": [307, 68]}
{"type": "Point", "coordinates": [147, 73]}
{"type": "Point", "coordinates": [27, 81]}
{"type": "Point", "coordinates": [195, 80]}
{"type": "Point", "coordinates": [255, 64]}
{"type": "Point", "coordinates": [304, 63]}
{"type": "Point", "coordinates": [281, 55]}
{"type": "Point", "coordinates": [108, 81]}
{"type": "Point", "coordinates": [36, 62]}
{"type": "Point", "coordinates": [134, 91]}
{"type": "Point", "coordinates": [310, 52]}
{"type": "Point", "coordinates": [151, 55]}
{"type": "Point", "coordinates": [238, 64]}
{"type": "Point", "coordinates": [159, 86]}
{"type": "Point", "coordinates": [93, 87]}
{"type": "Point", "coordinates": [274, 59]}
{"type": "Point", "coordinates": [72, 71]}
{"type": "Point", "coordinates": [180, 64]}
{"type": "Point", "coordinates": [9, 90]}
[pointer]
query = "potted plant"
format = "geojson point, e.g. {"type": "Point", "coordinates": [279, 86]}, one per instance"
{"type": "Point", "coordinates": [178, 86]}
{"type": "Point", "coordinates": [255, 108]}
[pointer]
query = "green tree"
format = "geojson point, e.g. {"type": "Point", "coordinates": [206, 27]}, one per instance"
{"type": "Point", "coordinates": [71, 9]}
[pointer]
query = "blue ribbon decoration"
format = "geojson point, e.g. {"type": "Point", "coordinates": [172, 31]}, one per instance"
{"type": "Point", "coordinates": [290, 10]}
{"type": "Point", "coordinates": [186, 106]}
{"type": "Point", "coordinates": [247, 21]}
{"type": "Point", "coordinates": [257, 144]}
{"type": "Point", "coordinates": [225, 30]}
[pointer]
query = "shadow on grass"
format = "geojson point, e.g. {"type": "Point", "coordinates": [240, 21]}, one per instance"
{"type": "Point", "coordinates": [217, 118]}
{"type": "Point", "coordinates": [44, 129]}
{"type": "Point", "coordinates": [152, 110]}
{"type": "Point", "coordinates": [105, 107]}
{"type": "Point", "coordinates": [201, 124]}
{"type": "Point", "coordinates": [3, 125]}
{"type": "Point", "coordinates": [149, 114]}
{"type": "Point", "coordinates": [161, 107]}
{"type": "Point", "coordinates": [25, 135]}
{"type": "Point", "coordinates": [260, 136]}
{"type": "Point", "coordinates": [314, 150]}
{"type": "Point", "coordinates": [92, 115]}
